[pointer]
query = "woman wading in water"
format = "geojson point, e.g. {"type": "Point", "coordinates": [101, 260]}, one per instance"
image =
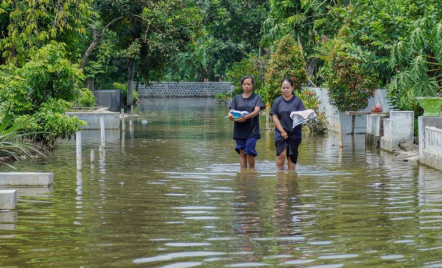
{"type": "Point", "coordinates": [246, 128]}
{"type": "Point", "coordinates": [287, 140]}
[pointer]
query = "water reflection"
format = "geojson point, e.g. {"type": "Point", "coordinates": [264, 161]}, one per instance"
{"type": "Point", "coordinates": [8, 221]}
{"type": "Point", "coordinates": [173, 195]}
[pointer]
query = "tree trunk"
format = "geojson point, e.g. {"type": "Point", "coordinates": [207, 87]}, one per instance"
{"type": "Point", "coordinates": [95, 42]}
{"type": "Point", "coordinates": [301, 47]}
{"type": "Point", "coordinates": [130, 81]}
{"type": "Point", "coordinates": [90, 83]}
{"type": "Point", "coordinates": [97, 39]}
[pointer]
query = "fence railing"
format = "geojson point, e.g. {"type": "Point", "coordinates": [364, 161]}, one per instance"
{"type": "Point", "coordinates": [433, 140]}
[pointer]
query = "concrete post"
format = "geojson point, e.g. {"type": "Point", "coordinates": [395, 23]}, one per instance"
{"type": "Point", "coordinates": [8, 199]}
{"type": "Point", "coordinates": [341, 137]}
{"type": "Point", "coordinates": [78, 143]}
{"type": "Point", "coordinates": [123, 124]}
{"type": "Point", "coordinates": [103, 137]}
{"type": "Point", "coordinates": [131, 129]}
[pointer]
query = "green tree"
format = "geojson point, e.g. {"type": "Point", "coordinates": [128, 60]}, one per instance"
{"type": "Point", "coordinates": [148, 34]}
{"type": "Point", "coordinates": [307, 21]}
{"type": "Point", "coordinates": [417, 61]}
{"type": "Point", "coordinates": [28, 25]}
{"type": "Point", "coordinates": [284, 62]}
{"type": "Point", "coordinates": [230, 31]}
{"type": "Point", "coordinates": [41, 91]}
{"type": "Point", "coordinates": [252, 65]}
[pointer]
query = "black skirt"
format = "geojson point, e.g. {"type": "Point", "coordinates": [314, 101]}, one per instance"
{"type": "Point", "coordinates": [290, 144]}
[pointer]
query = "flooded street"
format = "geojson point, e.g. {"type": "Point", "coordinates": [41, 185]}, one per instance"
{"type": "Point", "coordinates": [171, 194]}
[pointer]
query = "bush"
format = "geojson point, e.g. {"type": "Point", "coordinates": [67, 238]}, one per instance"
{"type": "Point", "coordinates": [310, 101]}
{"type": "Point", "coordinates": [285, 62]}
{"type": "Point", "coordinates": [42, 91]}
{"type": "Point", "coordinates": [123, 87]}
{"type": "Point", "coordinates": [223, 97]}
{"type": "Point", "coordinates": [252, 65]}
{"type": "Point", "coordinates": [350, 84]}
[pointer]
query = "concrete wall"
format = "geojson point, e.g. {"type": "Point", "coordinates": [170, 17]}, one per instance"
{"type": "Point", "coordinates": [112, 98]}
{"type": "Point", "coordinates": [430, 141]}
{"type": "Point", "coordinates": [183, 89]}
{"type": "Point", "coordinates": [111, 119]}
{"type": "Point", "coordinates": [399, 128]}
{"type": "Point", "coordinates": [333, 116]}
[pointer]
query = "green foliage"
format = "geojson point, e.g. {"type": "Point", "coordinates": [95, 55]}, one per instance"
{"type": "Point", "coordinates": [285, 62]}
{"type": "Point", "coordinates": [49, 74]}
{"type": "Point", "coordinates": [252, 65]}
{"type": "Point", "coordinates": [230, 31]}
{"type": "Point", "coordinates": [86, 98]}
{"type": "Point", "coordinates": [311, 101]}
{"type": "Point", "coordinates": [350, 83]}
{"type": "Point", "coordinates": [51, 118]}
{"type": "Point", "coordinates": [417, 59]}
{"type": "Point", "coordinates": [42, 91]}
{"type": "Point", "coordinates": [12, 136]}
{"type": "Point", "coordinates": [223, 97]}
{"type": "Point", "coordinates": [28, 24]}
{"type": "Point", "coordinates": [123, 87]}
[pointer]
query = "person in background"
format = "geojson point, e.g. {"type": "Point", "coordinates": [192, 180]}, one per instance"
{"type": "Point", "coordinates": [246, 128]}
{"type": "Point", "coordinates": [287, 140]}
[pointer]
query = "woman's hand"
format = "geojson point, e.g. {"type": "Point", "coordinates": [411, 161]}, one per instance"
{"type": "Point", "coordinates": [230, 116]}
{"type": "Point", "coordinates": [242, 119]}
{"type": "Point", "coordinates": [284, 134]}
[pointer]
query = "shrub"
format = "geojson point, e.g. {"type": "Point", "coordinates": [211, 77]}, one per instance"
{"type": "Point", "coordinates": [252, 65]}
{"type": "Point", "coordinates": [350, 84]}
{"type": "Point", "coordinates": [123, 87]}
{"type": "Point", "coordinates": [286, 61]}
{"type": "Point", "coordinates": [42, 91]}
{"type": "Point", "coordinates": [310, 101]}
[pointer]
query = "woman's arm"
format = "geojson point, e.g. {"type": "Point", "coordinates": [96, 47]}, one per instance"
{"type": "Point", "coordinates": [250, 115]}
{"type": "Point", "coordinates": [279, 127]}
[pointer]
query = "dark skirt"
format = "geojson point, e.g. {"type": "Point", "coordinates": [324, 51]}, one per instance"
{"type": "Point", "coordinates": [290, 144]}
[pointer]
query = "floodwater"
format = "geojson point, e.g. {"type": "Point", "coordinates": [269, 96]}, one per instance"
{"type": "Point", "coordinates": [171, 194]}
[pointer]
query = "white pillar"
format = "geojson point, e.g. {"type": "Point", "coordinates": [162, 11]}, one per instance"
{"type": "Point", "coordinates": [103, 137]}
{"type": "Point", "coordinates": [341, 138]}
{"type": "Point", "coordinates": [123, 124]}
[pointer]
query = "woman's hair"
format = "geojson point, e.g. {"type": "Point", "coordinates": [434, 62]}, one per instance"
{"type": "Point", "coordinates": [288, 80]}
{"type": "Point", "coordinates": [248, 77]}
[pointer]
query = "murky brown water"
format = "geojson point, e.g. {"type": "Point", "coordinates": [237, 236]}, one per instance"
{"type": "Point", "coordinates": [172, 195]}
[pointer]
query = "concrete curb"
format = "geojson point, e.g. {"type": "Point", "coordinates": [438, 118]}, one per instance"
{"type": "Point", "coordinates": [35, 179]}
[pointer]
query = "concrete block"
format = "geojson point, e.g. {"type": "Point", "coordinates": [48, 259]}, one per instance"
{"type": "Point", "coordinates": [399, 128]}
{"type": "Point", "coordinates": [111, 119]}
{"type": "Point", "coordinates": [38, 179]}
{"type": "Point", "coordinates": [374, 124]}
{"type": "Point", "coordinates": [113, 99]}
{"type": "Point", "coordinates": [8, 199]}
